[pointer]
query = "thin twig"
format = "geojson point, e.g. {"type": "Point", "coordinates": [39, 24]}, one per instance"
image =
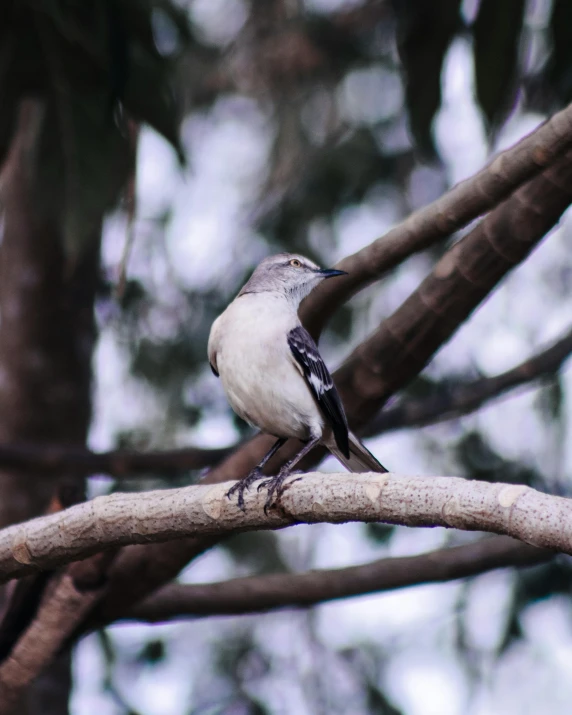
{"type": "Point", "coordinates": [464, 398]}
{"type": "Point", "coordinates": [117, 463]}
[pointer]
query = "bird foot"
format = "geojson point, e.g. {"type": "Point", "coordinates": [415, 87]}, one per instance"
{"type": "Point", "coordinates": [275, 487]}
{"type": "Point", "coordinates": [244, 484]}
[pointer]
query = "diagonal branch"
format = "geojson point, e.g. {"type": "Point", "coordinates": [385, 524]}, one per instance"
{"type": "Point", "coordinates": [465, 202]}
{"type": "Point", "coordinates": [406, 341]}
{"type": "Point", "coordinates": [462, 399]}
{"type": "Point", "coordinates": [67, 600]}
{"type": "Point", "coordinates": [119, 519]}
{"type": "Point", "coordinates": [255, 594]}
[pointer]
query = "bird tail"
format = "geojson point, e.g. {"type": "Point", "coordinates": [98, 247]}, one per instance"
{"type": "Point", "coordinates": [360, 458]}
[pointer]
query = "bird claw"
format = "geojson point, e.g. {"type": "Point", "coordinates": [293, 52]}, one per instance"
{"type": "Point", "coordinates": [275, 486]}
{"type": "Point", "coordinates": [243, 485]}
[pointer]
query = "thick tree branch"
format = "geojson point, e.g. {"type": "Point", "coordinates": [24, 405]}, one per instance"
{"type": "Point", "coordinates": [466, 274]}
{"type": "Point", "coordinates": [63, 607]}
{"type": "Point", "coordinates": [65, 601]}
{"type": "Point", "coordinates": [462, 399]}
{"type": "Point", "coordinates": [119, 519]}
{"type": "Point", "coordinates": [271, 591]}
{"type": "Point", "coordinates": [458, 207]}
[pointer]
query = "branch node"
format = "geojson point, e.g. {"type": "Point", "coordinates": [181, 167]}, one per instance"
{"type": "Point", "coordinates": [20, 550]}
{"type": "Point", "coordinates": [509, 494]}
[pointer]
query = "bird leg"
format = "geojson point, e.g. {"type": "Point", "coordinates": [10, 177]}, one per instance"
{"type": "Point", "coordinates": [274, 485]}
{"type": "Point", "coordinates": [254, 474]}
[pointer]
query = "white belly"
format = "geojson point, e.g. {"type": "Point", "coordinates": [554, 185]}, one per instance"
{"type": "Point", "coordinates": [261, 381]}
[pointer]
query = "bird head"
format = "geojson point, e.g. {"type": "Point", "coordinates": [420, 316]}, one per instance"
{"type": "Point", "coordinates": [289, 274]}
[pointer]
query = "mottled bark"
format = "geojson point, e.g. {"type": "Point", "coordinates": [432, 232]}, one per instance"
{"type": "Point", "coordinates": [47, 334]}
{"type": "Point", "coordinates": [115, 520]}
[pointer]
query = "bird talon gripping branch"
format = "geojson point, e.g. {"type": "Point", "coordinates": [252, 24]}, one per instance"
{"type": "Point", "coordinates": [243, 485]}
{"type": "Point", "coordinates": [273, 374]}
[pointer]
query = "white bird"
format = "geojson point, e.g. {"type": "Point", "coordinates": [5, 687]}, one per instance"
{"type": "Point", "coordinates": [273, 374]}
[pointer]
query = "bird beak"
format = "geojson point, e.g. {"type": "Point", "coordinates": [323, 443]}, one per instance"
{"type": "Point", "coordinates": [330, 272]}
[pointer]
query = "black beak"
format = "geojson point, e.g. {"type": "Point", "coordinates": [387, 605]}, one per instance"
{"type": "Point", "coordinates": [330, 272]}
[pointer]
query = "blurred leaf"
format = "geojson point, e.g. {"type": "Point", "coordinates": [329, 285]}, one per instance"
{"type": "Point", "coordinates": [7, 91]}
{"type": "Point", "coordinates": [534, 584]}
{"type": "Point", "coordinates": [150, 96]}
{"type": "Point", "coordinates": [365, 661]}
{"type": "Point", "coordinates": [259, 550]}
{"type": "Point", "coordinates": [338, 176]}
{"type": "Point", "coordinates": [153, 652]}
{"type": "Point", "coordinates": [133, 294]}
{"type": "Point", "coordinates": [550, 401]}
{"type": "Point", "coordinates": [340, 46]}
{"type": "Point", "coordinates": [497, 32]}
{"type": "Point", "coordinates": [552, 86]}
{"type": "Point", "coordinates": [85, 59]}
{"type": "Point", "coordinates": [378, 532]}
{"type": "Point", "coordinates": [424, 32]}
{"type": "Point", "coordinates": [560, 65]}
{"type": "Point", "coordinates": [481, 462]}
{"type": "Point", "coordinates": [540, 582]}
{"type": "Point", "coordinates": [238, 656]}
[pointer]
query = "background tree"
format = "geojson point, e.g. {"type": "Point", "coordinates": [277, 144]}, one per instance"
{"type": "Point", "coordinates": [311, 127]}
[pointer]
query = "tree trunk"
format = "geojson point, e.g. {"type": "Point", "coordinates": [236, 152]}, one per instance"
{"type": "Point", "coordinates": [47, 333]}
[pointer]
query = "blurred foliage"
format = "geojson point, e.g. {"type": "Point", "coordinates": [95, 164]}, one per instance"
{"type": "Point", "coordinates": [97, 66]}
{"type": "Point", "coordinates": [152, 652]}
{"type": "Point", "coordinates": [424, 34]}
{"type": "Point", "coordinates": [479, 461]}
{"type": "Point", "coordinates": [367, 664]}
{"type": "Point", "coordinates": [257, 550]}
{"type": "Point", "coordinates": [497, 34]}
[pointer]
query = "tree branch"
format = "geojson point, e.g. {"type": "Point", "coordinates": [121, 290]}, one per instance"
{"type": "Point", "coordinates": [462, 399]}
{"type": "Point", "coordinates": [117, 463]}
{"type": "Point", "coordinates": [26, 649]}
{"type": "Point", "coordinates": [255, 594]}
{"type": "Point", "coordinates": [463, 203]}
{"type": "Point", "coordinates": [62, 608]}
{"type": "Point", "coordinates": [204, 510]}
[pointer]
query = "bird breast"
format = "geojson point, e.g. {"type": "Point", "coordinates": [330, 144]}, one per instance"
{"type": "Point", "coordinates": [261, 382]}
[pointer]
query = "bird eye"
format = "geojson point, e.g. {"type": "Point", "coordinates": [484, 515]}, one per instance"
{"type": "Point", "coordinates": [296, 263]}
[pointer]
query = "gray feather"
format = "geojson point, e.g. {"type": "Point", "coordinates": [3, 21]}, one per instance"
{"type": "Point", "coordinates": [360, 459]}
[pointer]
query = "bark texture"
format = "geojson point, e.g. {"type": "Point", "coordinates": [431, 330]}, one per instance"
{"type": "Point", "coordinates": [119, 519]}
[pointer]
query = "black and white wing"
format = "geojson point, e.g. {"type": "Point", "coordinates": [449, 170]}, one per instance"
{"type": "Point", "coordinates": [305, 352]}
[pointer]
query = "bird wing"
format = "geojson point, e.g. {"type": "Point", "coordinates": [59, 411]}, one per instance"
{"type": "Point", "coordinates": [213, 346]}
{"type": "Point", "coordinates": [313, 368]}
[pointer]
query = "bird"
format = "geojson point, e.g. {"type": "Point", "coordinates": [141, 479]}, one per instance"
{"type": "Point", "coordinates": [274, 376]}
